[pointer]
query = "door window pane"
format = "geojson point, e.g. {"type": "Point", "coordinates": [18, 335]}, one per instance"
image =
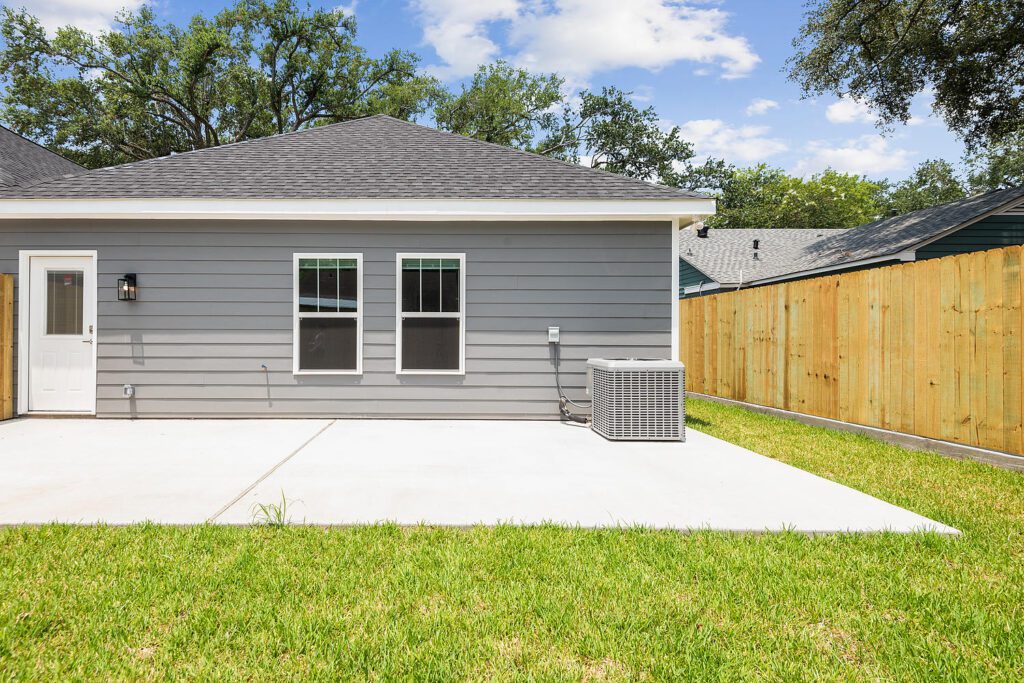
{"type": "Point", "coordinates": [327, 343]}
{"type": "Point", "coordinates": [430, 343]}
{"type": "Point", "coordinates": [65, 294]}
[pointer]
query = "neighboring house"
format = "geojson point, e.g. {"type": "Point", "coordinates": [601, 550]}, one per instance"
{"type": "Point", "coordinates": [23, 162]}
{"type": "Point", "coordinates": [728, 259]}
{"type": "Point", "coordinates": [367, 268]}
{"type": "Point", "coordinates": [986, 221]}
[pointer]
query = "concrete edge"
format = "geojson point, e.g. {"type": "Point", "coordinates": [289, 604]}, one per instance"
{"type": "Point", "coordinates": [956, 451]}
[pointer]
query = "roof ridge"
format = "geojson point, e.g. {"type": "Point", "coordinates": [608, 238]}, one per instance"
{"type": "Point", "coordinates": [236, 143]}
{"type": "Point", "coordinates": [535, 155]}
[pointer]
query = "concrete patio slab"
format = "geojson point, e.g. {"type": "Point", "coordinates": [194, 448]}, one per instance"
{"type": "Point", "coordinates": [469, 472]}
{"type": "Point", "coordinates": [122, 471]}
{"type": "Point", "coordinates": [406, 471]}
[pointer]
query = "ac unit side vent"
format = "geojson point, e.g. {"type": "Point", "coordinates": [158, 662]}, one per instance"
{"type": "Point", "coordinates": [638, 400]}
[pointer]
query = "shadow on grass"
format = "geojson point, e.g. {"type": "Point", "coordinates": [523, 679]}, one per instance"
{"type": "Point", "coordinates": [692, 421]}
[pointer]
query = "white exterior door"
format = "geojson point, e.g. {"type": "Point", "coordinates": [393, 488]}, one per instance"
{"type": "Point", "coordinates": [62, 327]}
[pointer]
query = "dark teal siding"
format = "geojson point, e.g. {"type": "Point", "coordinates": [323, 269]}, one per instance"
{"type": "Point", "coordinates": [990, 233]}
{"type": "Point", "coordinates": [689, 276]}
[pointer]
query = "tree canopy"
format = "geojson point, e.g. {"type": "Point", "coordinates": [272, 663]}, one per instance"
{"type": "Point", "coordinates": [933, 182]}
{"type": "Point", "coordinates": [766, 197]}
{"type": "Point", "coordinates": [998, 166]}
{"type": "Point", "coordinates": [884, 52]}
{"type": "Point", "coordinates": [145, 89]}
{"type": "Point", "coordinates": [510, 106]}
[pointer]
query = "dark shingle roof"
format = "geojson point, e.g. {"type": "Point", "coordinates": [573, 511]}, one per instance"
{"type": "Point", "coordinates": [378, 157]}
{"type": "Point", "coordinates": [890, 236]}
{"type": "Point", "coordinates": [727, 256]}
{"type": "Point", "coordinates": [23, 162]}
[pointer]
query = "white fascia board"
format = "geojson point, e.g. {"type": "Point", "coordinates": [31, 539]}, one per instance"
{"type": "Point", "coordinates": [709, 287]}
{"type": "Point", "coordinates": [369, 209]}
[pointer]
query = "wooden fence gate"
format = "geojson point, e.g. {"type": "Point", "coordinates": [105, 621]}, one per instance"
{"type": "Point", "coordinates": [6, 347]}
{"type": "Point", "coordinates": [931, 348]}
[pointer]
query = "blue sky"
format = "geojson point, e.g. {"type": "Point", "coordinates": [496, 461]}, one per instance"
{"type": "Point", "coordinates": [714, 68]}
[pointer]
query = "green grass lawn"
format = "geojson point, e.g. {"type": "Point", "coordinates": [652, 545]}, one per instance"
{"type": "Point", "coordinates": [543, 603]}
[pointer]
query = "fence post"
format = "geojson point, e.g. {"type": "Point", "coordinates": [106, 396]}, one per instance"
{"type": "Point", "coordinates": [6, 347]}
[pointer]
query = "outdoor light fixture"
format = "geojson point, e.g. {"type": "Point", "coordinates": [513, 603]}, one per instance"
{"type": "Point", "coordinates": [126, 288]}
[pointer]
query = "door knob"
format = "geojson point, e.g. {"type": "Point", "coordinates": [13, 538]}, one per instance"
{"type": "Point", "coordinates": [87, 341]}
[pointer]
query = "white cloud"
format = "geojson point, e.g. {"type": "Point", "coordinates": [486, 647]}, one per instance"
{"type": "Point", "coordinates": [578, 38]}
{"type": "Point", "coordinates": [760, 105]}
{"type": "Point", "coordinates": [457, 30]}
{"type": "Point", "coordinates": [348, 8]}
{"type": "Point", "coordinates": [743, 144]}
{"type": "Point", "coordinates": [865, 155]}
{"type": "Point", "coordinates": [849, 110]}
{"type": "Point", "coordinates": [642, 94]}
{"type": "Point", "coordinates": [90, 15]}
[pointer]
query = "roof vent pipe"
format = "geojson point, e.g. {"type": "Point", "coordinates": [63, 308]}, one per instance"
{"type": "Point", "coordinates": [757, 244]}
{"type": "Point", "coordinates": [702, 231]}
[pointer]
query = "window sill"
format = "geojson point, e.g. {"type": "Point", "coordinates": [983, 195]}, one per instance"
{"type": "Point", "coordinates": [431, 372]}
{"type": "Point", "coordinates": [306, 373]}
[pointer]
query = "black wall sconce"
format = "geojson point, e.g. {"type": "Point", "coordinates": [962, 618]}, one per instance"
{"type": "Point", "coordinates": [126, 288]}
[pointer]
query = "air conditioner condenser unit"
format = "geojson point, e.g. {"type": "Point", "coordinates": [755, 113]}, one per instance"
{"type": "Point", "coordinates": [637, 399]}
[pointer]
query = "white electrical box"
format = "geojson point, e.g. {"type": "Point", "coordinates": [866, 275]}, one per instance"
{"type": "Point", "coordinates": [553, 335]}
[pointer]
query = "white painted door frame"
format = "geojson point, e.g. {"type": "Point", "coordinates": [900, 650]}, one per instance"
{"type": "Point", "coordinates": [24, 320]}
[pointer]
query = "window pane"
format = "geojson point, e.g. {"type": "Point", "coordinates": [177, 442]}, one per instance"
{"type": "Point", "coordinates": [411, 285]}
{"type": "Point", "coordinates": [450, 286]}
{"type": "Point", "coordinates": [430, 344]}
{"type": "Point", "coordinates": [327, 344]}
{"type": "Point", "coordinates": [348, 289]}
{"type": "Point", "coordinates": [327, 276]}
{"type": "Point", "coordinates": [307, 285]}
{"type": "Point", "coordinates": [431, 284]}
{"type": "Point", "coordinates": [328, 285]}
{"type": "Point", "coordinates": [65, 293]}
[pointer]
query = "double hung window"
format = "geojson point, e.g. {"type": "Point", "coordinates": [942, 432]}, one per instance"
{"type": "Point", "coordinates": [430, 316]}
{"type": "Point", "coordinates": [328, 314]}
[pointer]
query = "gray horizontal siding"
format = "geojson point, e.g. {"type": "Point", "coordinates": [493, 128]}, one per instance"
{"type": "Point", "coordinates": [215, 304]}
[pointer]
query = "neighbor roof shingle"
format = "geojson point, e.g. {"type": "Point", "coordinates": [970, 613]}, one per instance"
{"type": "Point", "coordinates": [23, 162]}
{"type": "Point", "coordinates": [890, 236]}
{"type": "Point", "coordinates": [378, 157]}
{"type": "Point", "coordinates": [727, 255]}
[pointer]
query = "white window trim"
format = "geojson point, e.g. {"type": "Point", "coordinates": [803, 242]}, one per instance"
{"type": "Point", "coordinates": [461, 315]}
{"type": "Point", "coordinates": [358, 315]}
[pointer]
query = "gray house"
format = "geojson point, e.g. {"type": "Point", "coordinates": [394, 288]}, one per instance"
{"type": "Point", "coordinates": [367, 268]}
{"type": "Point", "coordinates": [730, 259]}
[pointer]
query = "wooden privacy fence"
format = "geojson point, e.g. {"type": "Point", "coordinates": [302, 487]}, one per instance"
{"type": "Point", "coordinates": [6, 346]}
{"type": "Point", "coordinates": [931, 348]}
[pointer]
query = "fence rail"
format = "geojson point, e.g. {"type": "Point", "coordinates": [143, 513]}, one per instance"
{"type": "Point", "coordinates": [931, 348]}
{"type": "Point", "coordinates": [6, 346]}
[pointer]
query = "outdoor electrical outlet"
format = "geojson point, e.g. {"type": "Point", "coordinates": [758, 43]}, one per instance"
{"type": "Point", "coordinates": [553, 335]}
{"type": "Point", "coordinates": [128, 390]}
